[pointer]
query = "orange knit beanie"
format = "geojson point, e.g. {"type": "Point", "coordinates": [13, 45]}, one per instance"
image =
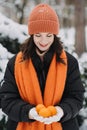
{"type": "Point", "coordinates": [43, 19]}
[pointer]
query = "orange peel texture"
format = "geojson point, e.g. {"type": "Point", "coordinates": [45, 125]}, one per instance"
{"type": "Point", "coordinates": [46, 111]}
{"type": "Point", "coordinates": [39, 107]}
{"type": "Point", "coordinates": [53, 110]}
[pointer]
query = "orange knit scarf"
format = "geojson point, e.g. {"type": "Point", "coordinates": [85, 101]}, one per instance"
{"type": "Point", "coordinates": [29, 88]}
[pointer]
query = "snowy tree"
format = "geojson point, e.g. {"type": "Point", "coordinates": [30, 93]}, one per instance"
{"type": "Point", "coordinates": [13, 31]}
{"type": "Point", "coordinates": [20, 5]}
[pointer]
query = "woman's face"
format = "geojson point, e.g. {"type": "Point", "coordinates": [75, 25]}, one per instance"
{"type": "Point", "coordinates": [43, 41]}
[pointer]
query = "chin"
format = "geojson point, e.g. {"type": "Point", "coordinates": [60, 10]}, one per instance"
{"type": "Point", "coordinates": [43, 49]}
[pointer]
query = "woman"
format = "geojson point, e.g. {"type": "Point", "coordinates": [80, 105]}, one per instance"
{"type": "Point", "coordinates": [42, 73]}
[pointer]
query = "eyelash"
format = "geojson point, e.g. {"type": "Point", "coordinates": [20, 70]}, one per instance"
{"type": "Point", "coordinates": [49, 36]}
{"type": "Point", "coordinates": [39, 36]}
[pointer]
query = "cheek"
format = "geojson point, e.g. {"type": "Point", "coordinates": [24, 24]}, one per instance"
{"type": "Point", "coordinates": [36, 40]}
{"type": "Point", "coordinates": [51, 40]}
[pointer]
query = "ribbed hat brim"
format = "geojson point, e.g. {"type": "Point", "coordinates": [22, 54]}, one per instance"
{"type": "Point", "coordinates": [43, 26]}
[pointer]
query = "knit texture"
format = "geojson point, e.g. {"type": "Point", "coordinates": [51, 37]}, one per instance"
{"type": "Point", "coordinates": [29, 89]}
{"type": "Point", "coordinates": [43, 19]}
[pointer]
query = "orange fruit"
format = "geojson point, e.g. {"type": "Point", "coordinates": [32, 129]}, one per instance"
{"type": "Point", "coordinates": [52, 109]}
{"type": "Point", "coordinates": [44, 112]}
{"type": "Point", "coordinates": [39, 107]}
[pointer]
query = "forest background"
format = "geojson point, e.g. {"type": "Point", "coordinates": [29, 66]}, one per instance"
{"type": "Point", "coordinates": [73, 32]}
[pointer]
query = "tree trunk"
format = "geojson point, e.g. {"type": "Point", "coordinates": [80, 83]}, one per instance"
{"type": "Point", "coordinates": [80, 27]}
{"type": "Point", "coordinates": [24, 2]}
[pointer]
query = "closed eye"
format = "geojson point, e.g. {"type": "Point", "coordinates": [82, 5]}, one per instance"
{"type": "Point", "coordinates": [49, 36]}
{"type": "Point", "coordinates": [37, 35]}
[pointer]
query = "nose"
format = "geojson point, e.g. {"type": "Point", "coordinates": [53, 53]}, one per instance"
{"type": "Point", "coordinates": [44, 40]}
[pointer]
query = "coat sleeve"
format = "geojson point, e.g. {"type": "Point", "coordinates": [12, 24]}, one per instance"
{"type": "Point", "coordinates": [11, 102]}
{"type": "Point", "coordinates": [72, 99]}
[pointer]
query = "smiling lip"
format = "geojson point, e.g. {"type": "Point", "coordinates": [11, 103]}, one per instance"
{"type": "Point", "coordinates": [43, 45]}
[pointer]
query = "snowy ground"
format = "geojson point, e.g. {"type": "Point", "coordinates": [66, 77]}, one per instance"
{"type": "Point", "coordinates": [14, 30]}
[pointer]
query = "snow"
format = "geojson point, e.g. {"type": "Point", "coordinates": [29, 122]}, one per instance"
{"type": "Point", "coordinates": [83, 59]}
{"type": "Point", "coordinates": [4, 55]}
{"type": "Point", "coordinates": [12, 29]}
{"type": "Point", "coordinates": [84, 125]}
{"type": "Point", "coordinates": [2, 114]}
{"type": "Point", "coordinates": [16, 31]}
{"type": "Point", "coordinates": [17, 2]}
{"type": "Point", "coordinates": [68, 38]}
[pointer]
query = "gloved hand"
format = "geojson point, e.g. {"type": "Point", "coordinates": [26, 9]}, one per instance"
{"type": "Point", "coordinates": [34, 115]}
{"type": "Point", "coordinates": [54, 118]}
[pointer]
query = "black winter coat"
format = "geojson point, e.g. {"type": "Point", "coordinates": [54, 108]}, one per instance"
{"type": "Point", "coordinates": [17, 109]}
